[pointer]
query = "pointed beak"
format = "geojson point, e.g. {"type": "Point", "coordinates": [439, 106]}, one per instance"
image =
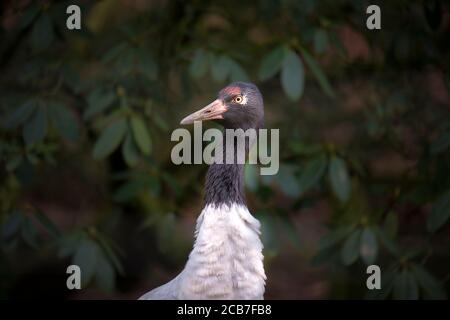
{"type": "Point", "coordinates": [212, 111]}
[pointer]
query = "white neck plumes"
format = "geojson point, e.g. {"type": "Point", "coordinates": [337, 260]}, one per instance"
{"type": "Point", "coordinates": [226, 261]}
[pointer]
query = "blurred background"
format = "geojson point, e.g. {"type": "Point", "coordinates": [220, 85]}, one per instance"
{"type": "Point", "coordinates": [86, 117]}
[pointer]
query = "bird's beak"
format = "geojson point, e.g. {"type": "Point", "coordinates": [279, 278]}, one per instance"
{"type": "Point", "coordinates": [214, 110]}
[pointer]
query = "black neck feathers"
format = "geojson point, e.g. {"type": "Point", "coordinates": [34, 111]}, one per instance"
{"type": "Point", "coordinates": [225, 181]}
{"type": "Point", "coordinates": [225, 184]}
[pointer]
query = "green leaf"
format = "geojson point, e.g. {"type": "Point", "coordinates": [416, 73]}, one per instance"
{"type": "Point", "coordinates": [440, 213]}
{"type": "Point", "coordinates": [29, 233]}
{"type": "Point", "coordinates": [68, 243]}
{"type": "Point", "coordinates": [42, 34]}
{"type": "Point", "coordinates": [251, 177]}
{"type": "Point", "coordinates": [304, 149]}
{"type": "Point", "coordinates": [12, 225]}
{"type": "Point", "coordinates": [387, 284]}
{"type": "Point", "coordinates": [172, 183]}
{"type": "Point", "coordinates": [48, 224]}
{"type": "Point", "coordinates": [20, 115]}
{"type": "Point", "coordinates": [287, 181]}
{"type": "Point", "coordinates": [271, 63]}
{"type": "Point", "coordinates": [288, 228]}
{"type": "Point", "coordinates": [114, 52]}
{"type": "Point", "coordinates": [128, 190]}
{"type": "Point", "coordinates": [29, 15]}
{"type": "Point", "coordinates": [388, 242]}
{"type": "Point", "coordinates": [430, 286]}
{"type": "Point", "coordinates": [160, 122]}
{"type": "Point", "coordinates": [237, 73]}
{"type": "Point", "coordinates": [405, 286]}
{"type": "Point", "coordinates": [129, 150]}
{"type": "Point", "coordinates": [148, 65]}
{"type": "Point", "coordinates": [350, 249]}
{"type": "Point", "coordinates": [320, 41]}
{"type": "Point", "coordinates": [141, 135]}
{"type": "Point", "coordinates": [268, 233]}
{"type": "Point", "coordinates": [318, 73]}
{"type": "Point", "coordinates": [64, 121]}
{"type": "Point", "coordinates": [98, 100]}
{"type": "Point", "coordinates": [86, 257]}
{"type": "Point", "coordinates": [332, 238]}
{"type": "Point", "coordinates": [14, 162]}
{"type": "Point", "coordinates": [199, 64]}
{"type": "Point", "coordinates": [35, 129]}
{"type": "Point", "coordinates": [110, 139]}
{"type": "Point", "coordinates": [107, 246]}
{"type": "Point", "coordinates": [339, 178]}
{"type": "Point", "coordinates": [368, 249]}
{"type": "Point", "coordinates": [441, 144]}
{"type": "Point", "coordinates": [312, 172]}
{"type": "Point", "coordinates": [105, 276]}
{"type": "Point", "coordinates": [391, 224]}
{"type": "Point", "coordinates": [221, 68]}
{"type": "Point", "coordinates": [292, 75]}
{"type": "Point", "coordinates": [126, 61]}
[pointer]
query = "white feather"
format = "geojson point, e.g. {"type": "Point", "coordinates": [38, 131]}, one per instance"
{"type": "Point", "coordinates": [226, 261]}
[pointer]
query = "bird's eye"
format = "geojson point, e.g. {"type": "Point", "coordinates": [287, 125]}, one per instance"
{"type": "Point", "coordinates": [238, 99]}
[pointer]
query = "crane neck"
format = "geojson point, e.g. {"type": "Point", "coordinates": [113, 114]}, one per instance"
{"type": "Point", "coordinates": [225, 181]}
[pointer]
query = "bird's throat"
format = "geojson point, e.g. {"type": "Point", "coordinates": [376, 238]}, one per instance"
{"type": "Point", "coordinates": [225, 181]}
{"type": "Point", "coordinates": [225, 184]}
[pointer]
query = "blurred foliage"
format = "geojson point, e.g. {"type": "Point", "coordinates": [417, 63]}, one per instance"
{"type": "Point", "coordinates": [103, 100]}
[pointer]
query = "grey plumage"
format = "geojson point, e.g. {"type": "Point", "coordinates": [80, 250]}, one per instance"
{"type": "Point", "coordinates": [226, 261]}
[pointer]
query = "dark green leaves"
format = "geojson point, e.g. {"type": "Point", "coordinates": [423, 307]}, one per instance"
{"type": "Point", "coordinates": [19, 225]}
{"type": "Point", "coordinates": [405, 286]}
{"type": "Point", "coordinates": [355, 243]}
{"type": "Point", "coordinates": [20, 114]}
{"type": "Point", "coordinates": [12, 225]}
{"type": "Point", "coordinates": [287, 181]}
{"type": "Point", "coordinates": [141, 135]}
{"type": "Point", "coordinates": [318, 73]}
{"type": "Point", "coordinates": [35, 129]}
{"type": "Point", "coordinates": [96, 256]}
{"type": "Point", "coordinates": [220, 69]}
{"type": "Point", "coordinates": [42, 34]}
{"type": "Point", "coordinates": [271, 63]}
{"type": "Point", "coordinates": [368, 248]}
{"type": "Point", "coordinates": [440, 213]}
{"type": "Point", "coordinates": [47, 224]}
{"type": "Point", "coordinates": [251, 177]}
{"type": "Point", "coordinates": [312, 172]}
{"type": "Point", "coordinates": [35, 115]}
{"type": "Point", "coordinates": [148, 66]}
{"type": "Point", "coordinates": [199, 64]}
{"type": "Point", "coordinates": [339, 178]}
{"type": "Point", "coordinates": [221, 66]}
{"type": "Point", "coordinates": [320, 41]}
{"type": "Point", "coordinates": [409, 283]}
{"type": "Point", "coordinates": [129, 151]}
{"type": "Point", "coordinates": [292, 75]}
{"type": "Point", "coordinates": [430, 286]}
{"type": "Point", "coordinates": [98, 101]}
{"type": "Point", "coordinates": [237, 73]}
{"type": "Point", "coordinates": [350, 249]}
{"type": "Point", "coordinates": [110, 139]}
{"type": "Point", "coordinates": [64, 121]}
{"type": "Point", "coordinates": [441, 144]}
{"type": "Point", "coordinates": [292, 71]}
{"type": "Point", "coordinates": [86, 258]}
